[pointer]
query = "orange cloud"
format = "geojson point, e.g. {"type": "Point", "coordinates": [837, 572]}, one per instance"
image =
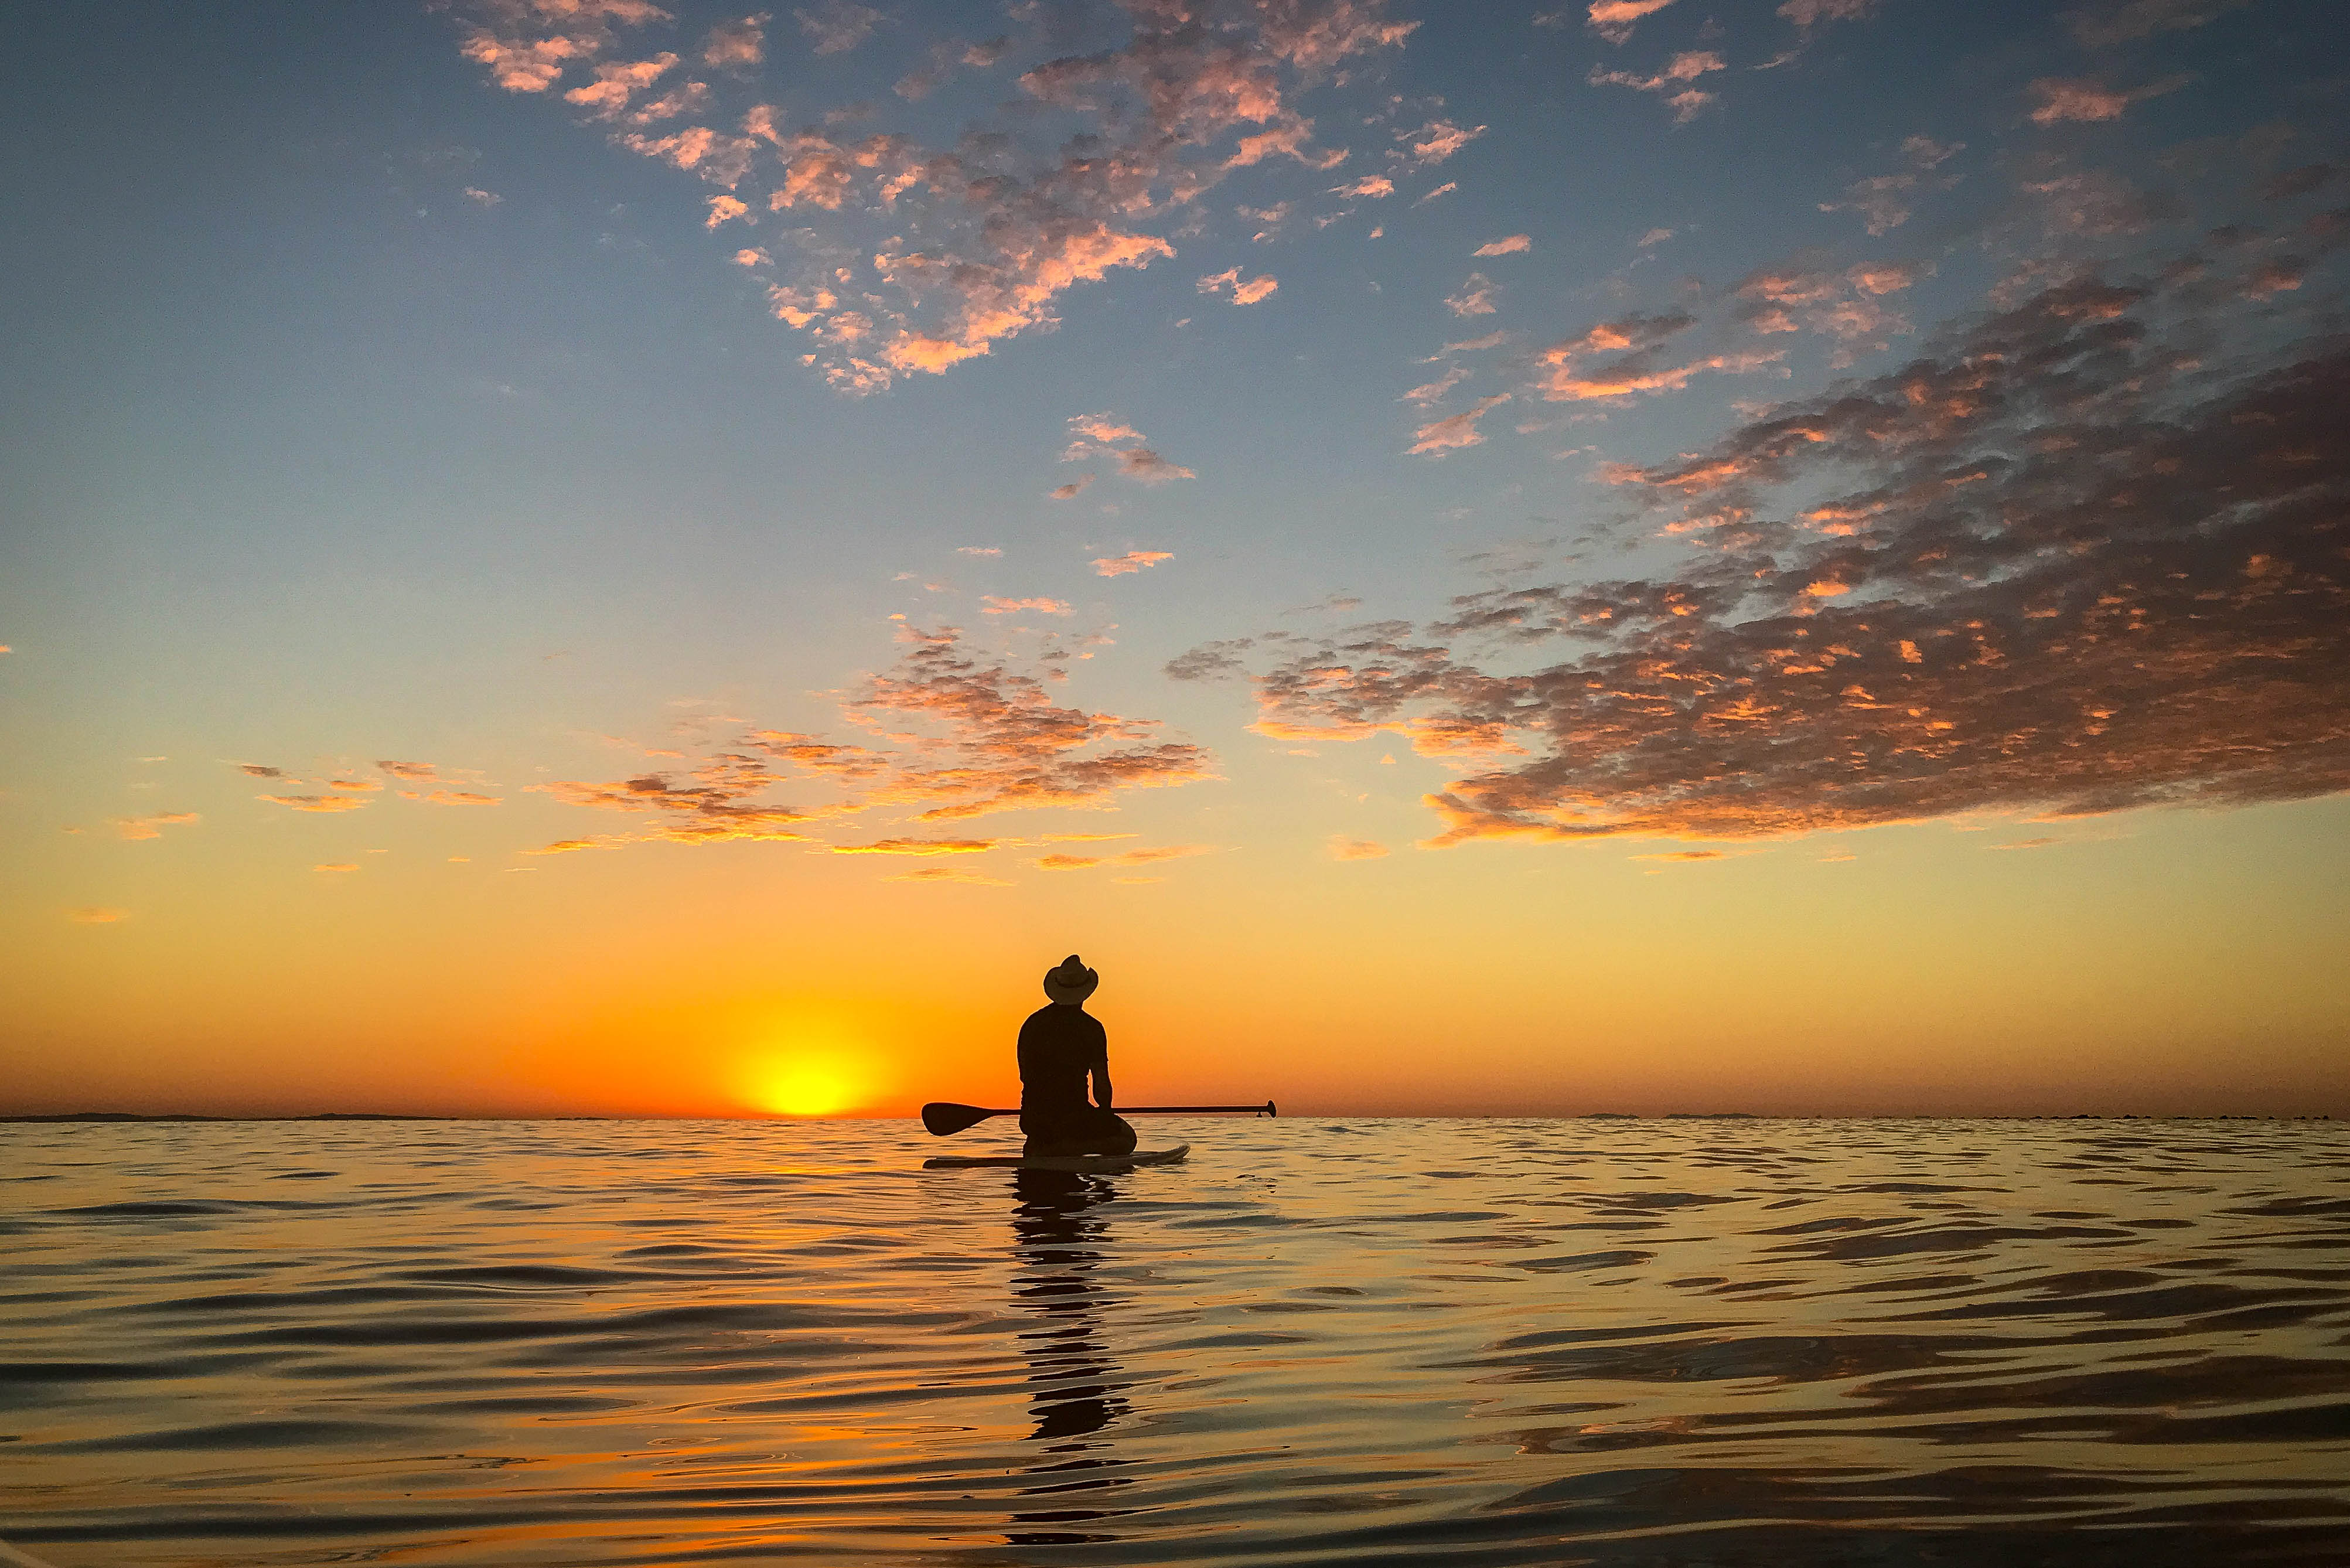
{"type": "Point", "coordinates": [1512, 246]}
{"type": "Point", "coordinates": [1344, 848]}
{"type": "Point", "coordinates": [97, 915]}
{"type": "Point", "coordinates": [1475, 299]}
{"type": "Point", "coordinates": [449, 797]}
{"type": "Point", "coordinates": [736, 44]}
{"type": "Point", "coordinates": [918, 847]}
{"type": "Point", "coordinates": [1130, 857]}
{"type": "Point", "coordinates": [994, 606]}
{"type": "Point", "coordinates": [949, 874]}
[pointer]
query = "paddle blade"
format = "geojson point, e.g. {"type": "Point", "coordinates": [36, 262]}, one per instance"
{"type": "Point", "coordinates": [940, 1118]}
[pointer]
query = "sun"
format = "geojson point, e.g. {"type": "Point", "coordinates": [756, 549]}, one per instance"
{"type": "Point", "coordinates": [805, 1087]}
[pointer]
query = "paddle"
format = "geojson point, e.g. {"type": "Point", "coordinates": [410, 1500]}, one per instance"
{"type": "Point", "coordinates": [944, 1117]}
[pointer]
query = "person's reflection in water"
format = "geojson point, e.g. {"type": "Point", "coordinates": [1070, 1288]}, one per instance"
{"type": "Point", "coordinates": [1073, 1387]}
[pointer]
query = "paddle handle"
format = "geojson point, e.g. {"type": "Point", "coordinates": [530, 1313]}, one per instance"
{"type": "Point", "coordinates": [1263, 1110]}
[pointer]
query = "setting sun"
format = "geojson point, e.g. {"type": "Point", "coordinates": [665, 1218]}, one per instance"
{"type": "Point", "coordinates": [806, 1086]}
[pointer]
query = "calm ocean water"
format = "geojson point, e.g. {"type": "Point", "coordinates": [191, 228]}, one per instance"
{"type": "Point", "coordinates": [1484, 1343]}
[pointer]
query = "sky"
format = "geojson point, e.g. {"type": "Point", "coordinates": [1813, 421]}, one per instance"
{"type": "Point", "coordinates": [589, 557]}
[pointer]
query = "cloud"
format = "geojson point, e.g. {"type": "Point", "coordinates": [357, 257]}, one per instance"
{"type": "Point", "coordinates": [913, 259]}
{"type": "Point", "coordinates": [1145, 466]}
{"type": "Point", "coordinates": [1013, 606]}
{"type": "Point", "coordinates": [97, 916]}
{"type": "Point", "coordinates": [1072, 490]}
{"type": "Point", "coordinates": [337, 866]}
{"type": "Point", "coordinates": [1132, 561]}
{"type": "Point", "coordinates": [2029, 844]}
{"type": "Point", "coordinates": [480, 198]}
{"type": "Point", "coordinates": [1673, 82]}
{"type": "Point", "coordinates": [918, 847]}
{"type": "Point", "coordinates": [1454, 431]}
{"type": "Point", "coordinates": [1885, 201]}
{"type": "Point", "coordinates": [1433, 143]}
{"type": "Point", "coordinates": [1613, 19]}
{"type": "Point", "coordinates": [449, 797]}
{"type": "Point", "coordinates": [1686, 854]}
{"type": "Point", "coordinates": [1565, 372]}
{"type": "Point", "coordinates": [136, 828]}
{"type": "Point", "coordinates": [948, 874]}
{"type": "Point", "coordinates": [1510, 246]}
{"type": "Point", "coordinates": [1344, 848]}
{"type": "Point", "coordinates": [2062, 99]}
{"type": "Point", "coordinates": [607, 96]}
{"type": "Point", "coordinates": [1654, 237]}
{"type": "Point", "coordinates": [355, 786]}
{"type": "Point", "coordinates": [1130, 857]}
{"type": "Point", "coordinates": [1475, 299]}
{"type": "Point", "coordinates": [1228, 282]}
{"type": "Point", "coordinates": [1810, 14]}
{"type": "Point", "coordinates": [1369, 188]}
{"type": "Point", "coordinates": [573, 846]}
{"type": "Point", "coordinates": [979, 550]}
{"type": "Point", "coordinates": [837, 27]}
{"type": "Point", "coordinates": [411, 772]}
{"type": "Point", "coordinates": [1444, 190]}
{"type": "Point", "coordinates": [2093, 559]}
{"type": "Point", "coordinates": [319, 802]}
{"type": "Point", "coordinates": [1433, 392]}
{"type": "Point", "coordinates": [1846, 306]}
{"type": "Point", "coordinates": [261, 769]}
{"type": "Point", "coordinates": [736, 44]}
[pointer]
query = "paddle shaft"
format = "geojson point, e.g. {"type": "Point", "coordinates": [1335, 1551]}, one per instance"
{"type": "Point", "coordinates": [942, 1117]}
{"type": "Point", "coordinates": [1263, 1110]}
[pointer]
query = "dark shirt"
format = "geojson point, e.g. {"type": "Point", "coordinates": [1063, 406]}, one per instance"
{"type": "Point", "coordinates": [1059, 1046]}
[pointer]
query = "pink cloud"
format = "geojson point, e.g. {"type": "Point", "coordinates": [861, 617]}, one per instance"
{"type": "Point", "coordinates": [1454, 431]}
{"type": "Point", "coordinates": [1132, 561]}
{"type": "Point", "coordinates": [837, 27]}
{"type": "Point", "coordinates": [1072, 490]}
{"type": "Point", "coordinates": [1013, 606]}
{"type": "Point", "coordinates": [1433, 143]}
{"type": "Point", "coordinates": [1370, 188]}
{"type": "Point", "coordinates": [1513, 245]}
{"type": "Point", "coordinates": [736, 44]}
{"type": "Point", "coordinates": [1145, 466]}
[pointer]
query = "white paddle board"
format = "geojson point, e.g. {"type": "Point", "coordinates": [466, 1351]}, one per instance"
{"type": "Point", "coordinates": [1084, 1164]}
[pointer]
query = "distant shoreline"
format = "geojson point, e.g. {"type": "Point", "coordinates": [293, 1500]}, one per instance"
{"type": "Point", "coordinates": [104, 1117]}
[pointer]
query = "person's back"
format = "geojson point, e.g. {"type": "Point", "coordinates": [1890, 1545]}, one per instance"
{"type": "Point", "coordinates": [1061, 1047]}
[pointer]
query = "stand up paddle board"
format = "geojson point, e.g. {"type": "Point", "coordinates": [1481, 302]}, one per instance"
{"type": "Point", "coordinates": [1084, 1164]}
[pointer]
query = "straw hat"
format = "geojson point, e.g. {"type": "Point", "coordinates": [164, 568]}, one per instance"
{"type": "Point", "coordinates": [1073, 981]}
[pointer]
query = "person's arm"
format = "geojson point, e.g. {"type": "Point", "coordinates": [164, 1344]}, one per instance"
{"type": "Point", "coordinates": [1102, 1072]}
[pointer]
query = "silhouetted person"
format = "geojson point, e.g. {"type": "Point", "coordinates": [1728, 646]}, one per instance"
{"type": "Point", "coordinates": [1061, 1046]}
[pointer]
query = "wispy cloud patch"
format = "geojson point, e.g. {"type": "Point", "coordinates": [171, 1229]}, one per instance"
{"type": "Point", "coordinates": [1454, 431]}
{"type": "Point", "coordinates": [1433, 143]}
{"type": "Point", "coordinates": [2061, 98]}
{"type": "Point", "coordinates": [1369, 188]}
{"type": "Point", "coordinates": [97, 916]}
{"type": "Point", "coordinates": [137, 828]}
{"type": "Point", "coordinates": [918, 847]}
{"type": "Point", "coordinates": [318, 803]}
{"type": "Point", "coordinates": [837, 27]}
{"type": "Point", "coordinates": [1145, 466]}
{"type": "Point", "coordinates": [1475, 299]}
{"type": "Point", "coordinates": [1509, 247]}
{"type": "Point", "coordinates": [1579, 370]}
{"type": "Point", "coordinates": [1675, 83]}
{"type": "Point", "coordinates": [949, 874]}
{"type": "Point", "coordinates": [1130, 857]}
{"type": "Point", "coordinates": [1344, 848]}
{"type": "Point", "coordinates": [1072, 490]}
{"type": "Point", "coordinates": [993, 606]}
{"type": "Point", "coordinates": [737, 45]}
